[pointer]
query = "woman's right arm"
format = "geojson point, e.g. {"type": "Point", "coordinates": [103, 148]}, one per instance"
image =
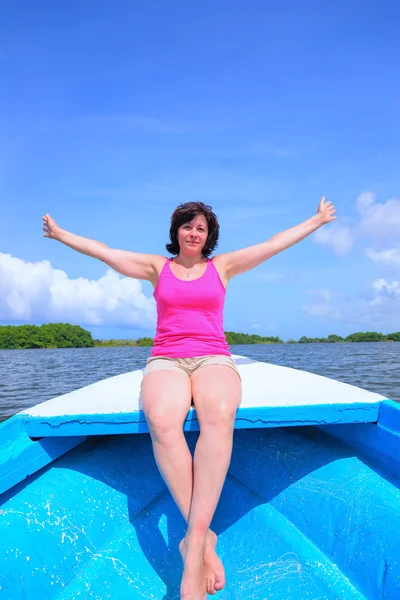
{"type": "Point", "coordinates": [131, 264]}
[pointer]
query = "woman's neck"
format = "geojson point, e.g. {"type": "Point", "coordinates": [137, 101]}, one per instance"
{"type": "Point", "coordinates": [188, 262]}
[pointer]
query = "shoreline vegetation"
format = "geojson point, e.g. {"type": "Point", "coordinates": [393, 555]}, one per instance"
{"type": "Point", "coordinates": [65, 335]}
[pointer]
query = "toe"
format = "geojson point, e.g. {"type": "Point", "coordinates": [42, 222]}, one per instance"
{"type": "Point", "coordinates": [219, 582]}
{"type": "Point", "coordinates": [211, 586]}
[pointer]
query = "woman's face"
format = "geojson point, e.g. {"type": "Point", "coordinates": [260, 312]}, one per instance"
{"type": "Point", "coordinates": [192, 236]}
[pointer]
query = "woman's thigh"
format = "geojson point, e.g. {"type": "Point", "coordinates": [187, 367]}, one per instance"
{"type": "Point", "coordinates": [217, 394]}
{"type": "Point", "coordinates": [165, 399]}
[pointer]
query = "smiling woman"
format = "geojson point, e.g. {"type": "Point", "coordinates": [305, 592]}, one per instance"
{"type": "Point", "coordinates": [193, 223]}
{"type": "Point", "coordinates": [191, 362]}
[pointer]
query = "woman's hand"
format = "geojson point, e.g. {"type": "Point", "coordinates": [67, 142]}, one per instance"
{"type": "Point", "coordinates": [326, 211]}
{"type": "Point", "coordinates": [50, 227]}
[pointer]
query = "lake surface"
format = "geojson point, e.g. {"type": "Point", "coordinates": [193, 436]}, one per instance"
{"type": "Point", "coordinates": [28, 377]}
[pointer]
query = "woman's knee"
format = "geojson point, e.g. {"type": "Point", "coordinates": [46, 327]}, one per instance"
{"type": "Point", "coordinates": [219, 414]}
{"type": "Point", "coordinates": [163, 426]}
{"type": "Point", "coordinates": [166, 399]}
{"type": "Point", "coordinates": [217, 394]}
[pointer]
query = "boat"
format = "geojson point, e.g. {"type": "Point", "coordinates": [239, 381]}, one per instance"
{"type": "Point", "coordinates": [310, 509]}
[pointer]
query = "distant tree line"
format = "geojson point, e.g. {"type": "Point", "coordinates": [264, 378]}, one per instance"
{"type": "Point", "coordinates": [64, 335]}
{"type": "Point", "coordinates": [245, 338]}
{"type": "Point", "coordinates": [145, 341]}
{"type": "Point", "coordinates": [231, 337]}
{"type": "Point", "coordinates": [361, 336]}
{"type": "Point", "coordinates": [52, 335]}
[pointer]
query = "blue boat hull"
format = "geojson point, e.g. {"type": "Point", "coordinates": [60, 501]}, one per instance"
{"type": "Point", "coordinates": [305, 513]}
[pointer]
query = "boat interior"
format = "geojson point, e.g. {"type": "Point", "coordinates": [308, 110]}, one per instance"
{"type": "Point", "coordinates": [306, 512]}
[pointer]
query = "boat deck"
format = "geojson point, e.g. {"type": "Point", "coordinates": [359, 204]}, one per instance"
{"type": "Point", "coordinates": [273, 396]}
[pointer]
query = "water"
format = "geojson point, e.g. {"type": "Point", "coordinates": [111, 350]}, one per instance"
{"type": "Point", "coordinates": [28, 377]}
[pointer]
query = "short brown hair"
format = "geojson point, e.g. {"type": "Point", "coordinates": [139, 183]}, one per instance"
{"type": "Point", "coordinates": [185, 213]}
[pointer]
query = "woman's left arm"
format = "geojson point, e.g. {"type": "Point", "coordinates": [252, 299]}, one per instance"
{"type": "Point", "coordinates": [240, 261]}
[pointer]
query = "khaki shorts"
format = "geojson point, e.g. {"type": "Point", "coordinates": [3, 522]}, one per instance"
{"type": "Point", "coordinates": [187, 365]}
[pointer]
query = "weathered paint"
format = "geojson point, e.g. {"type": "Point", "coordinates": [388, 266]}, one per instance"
{"type": "Point", "coordinates": [272, 396]}
{"type": "Point", "coordinates": [246, 418]}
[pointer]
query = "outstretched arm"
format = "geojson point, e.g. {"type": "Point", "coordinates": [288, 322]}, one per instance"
{"type": "Point", "coordinates": [132, 264]}
{"type": "Point", "coordinates": [240, 261]}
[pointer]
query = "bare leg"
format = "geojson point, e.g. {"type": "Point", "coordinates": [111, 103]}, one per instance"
{"type": "Point", "coordinates": [166, 399]}
{"type": "Point", "coordinates": [217, 395]}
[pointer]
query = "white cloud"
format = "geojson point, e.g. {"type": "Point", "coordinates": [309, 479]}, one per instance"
{"type": "Point", "coordinates": [381, 223]}
{"type": "Point", "coordinates": [378, 222]}
{"type": "Point", "coordinates": [38, 292]}
{"type": "Point", "coordinates": [326, 295]}
{"type": "Point", "coordinates": [390, 257]}
{"type": "Point", "coordinates": [381, 285]}
{"type": "Point", "coordinates": [364, 200]}
{"type": "Point", "coordinates": [321, 310]}
{"type": "Point", "coordinates": [378, 309]}
{"type": "Point", "coordinates": [322, 305]}
{"type": "Point", "coordinates": [378, 219]}
{"type": "Point", "coordinates": [339, 237]}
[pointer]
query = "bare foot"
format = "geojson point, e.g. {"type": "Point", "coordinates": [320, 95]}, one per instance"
{"type": "Point", "coordinates": [214, 569]}
{"type": "Point", "coordinates": [193, 584]}
{"type": "Point", "coordinates": [215, 572]}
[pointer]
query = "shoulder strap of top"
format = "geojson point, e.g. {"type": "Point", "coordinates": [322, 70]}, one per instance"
{"type": "Point", "coordinates": [216, 273]}
{"type": "Point", "coordinates": [164, 266]}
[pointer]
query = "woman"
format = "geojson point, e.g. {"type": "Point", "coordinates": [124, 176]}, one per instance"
{"type": "Point", "coordinates": [190, 360]}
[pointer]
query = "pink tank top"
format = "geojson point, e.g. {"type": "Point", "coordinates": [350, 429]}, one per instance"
{"type": "Point", "coordinates": [189, 315]}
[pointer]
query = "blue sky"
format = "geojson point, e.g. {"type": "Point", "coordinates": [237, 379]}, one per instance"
{"type": "Point", "coordinates": [113, 113]}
